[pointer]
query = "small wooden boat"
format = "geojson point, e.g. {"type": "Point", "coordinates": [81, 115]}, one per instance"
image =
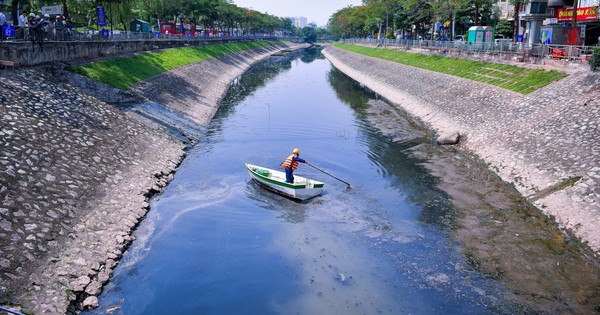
{"type": "Point", "coordinates": [302, 188]}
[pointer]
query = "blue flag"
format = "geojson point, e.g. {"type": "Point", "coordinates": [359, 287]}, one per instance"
{"type": "Point", "coordinates": [101, 15]}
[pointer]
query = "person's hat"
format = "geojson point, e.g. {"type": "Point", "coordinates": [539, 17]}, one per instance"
{"type": "Point", "coordinates": [296, 151]}
{"type": "Point", "coordinates": [32, 14]}
{"type": "Point", "coordinates": [46, 15]}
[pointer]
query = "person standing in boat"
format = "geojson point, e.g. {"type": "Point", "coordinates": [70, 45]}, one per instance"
{"type": "Point", "coordinates": [291, 164]}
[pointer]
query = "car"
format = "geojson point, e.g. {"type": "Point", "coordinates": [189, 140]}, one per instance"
{"type": "Point", "coordinates": [459, 38]}
{"type": "Point", "coordinates": [501, 39]}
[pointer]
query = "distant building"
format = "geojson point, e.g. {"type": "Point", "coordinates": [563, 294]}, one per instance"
{"type": "Point", "coordinates": [506, 10]}
{"type": "Point", "coordinates": [313, 24]}
{"type": "Point", "coordinates": [299, 21]}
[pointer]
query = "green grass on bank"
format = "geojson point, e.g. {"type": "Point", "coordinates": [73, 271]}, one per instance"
{"type": "Point", "coordinates": [124, 72]}
{"type": "Point", "coordinates": [518, 79]}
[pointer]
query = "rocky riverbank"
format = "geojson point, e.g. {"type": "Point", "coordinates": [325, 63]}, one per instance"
{"type": "Point", "coordinates": [542, 143]}
{"type": "Point", "coordinates": [76, 173]}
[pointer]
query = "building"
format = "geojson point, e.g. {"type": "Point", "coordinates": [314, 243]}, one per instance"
{"type": "Point", "coordinates": [299, 21]}
{"type": "Point", "coordinates": [533, 15]}
{"type": "Point", "coordinates": [550, 21]}
{"type": "Point", "coordinates": [506, 10]}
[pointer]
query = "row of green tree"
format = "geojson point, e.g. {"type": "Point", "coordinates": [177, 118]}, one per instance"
{"type": "Point", "coordinates": [418, 18]}
{"type": "Point", "coordinates": [221, 15]}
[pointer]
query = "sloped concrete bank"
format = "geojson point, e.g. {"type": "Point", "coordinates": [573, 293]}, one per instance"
{"type": "Point", "coordinates": [76, 173]}
{"type": "Point", "coordinates": [544, 143]}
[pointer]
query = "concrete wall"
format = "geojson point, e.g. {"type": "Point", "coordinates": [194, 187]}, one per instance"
{"type": "Point", "coordinates": [25, 54]}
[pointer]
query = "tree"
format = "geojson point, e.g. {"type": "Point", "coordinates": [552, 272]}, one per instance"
{"type": "Point", "coordinates": [505, 28]}
{"type": "Point", "coordinates": [348, 22]}
{"type": "Point", "coordinates": [310, 35]}
{"type": "Point", "coordinates": [519, 5]}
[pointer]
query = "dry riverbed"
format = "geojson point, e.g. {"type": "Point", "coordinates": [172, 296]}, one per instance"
{"type": "Point", "coordinates": [501, 234]}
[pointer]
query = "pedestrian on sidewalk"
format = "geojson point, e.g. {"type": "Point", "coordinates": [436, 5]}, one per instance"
{"type": "Point", "coordinates": [24, 33]}
{"type": "Point", "coordinates": [2, 20]}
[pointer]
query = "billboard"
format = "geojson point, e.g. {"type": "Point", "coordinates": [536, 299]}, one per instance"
{"type": "Point", "coordinates": [52, 10]}
{"type": "Point", "coordinates": [583, 14]}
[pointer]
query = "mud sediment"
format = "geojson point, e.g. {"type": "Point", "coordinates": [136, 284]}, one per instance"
{"type": "Point", "coordinates": [533, 142]}
{"type": "Point", "coordinates": [501, 233]}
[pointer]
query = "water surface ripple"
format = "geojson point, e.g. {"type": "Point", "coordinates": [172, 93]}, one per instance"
{"type": "Point", "coordinates": [216, 243]}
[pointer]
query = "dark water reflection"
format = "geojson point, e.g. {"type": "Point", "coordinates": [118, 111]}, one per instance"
{"type": "Point", "coordinates": [216, 243]}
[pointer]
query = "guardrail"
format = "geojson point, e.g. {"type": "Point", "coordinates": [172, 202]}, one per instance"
{"type": "Point", "coordinates": [578, 54]}
{"type": "Point", "coordinates": [68, 34]}
{"type": "Point", "coordinates": [24, 52]}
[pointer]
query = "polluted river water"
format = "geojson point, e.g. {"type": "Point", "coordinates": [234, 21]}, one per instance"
{"type": "Point", "coordinates": [421, 230]}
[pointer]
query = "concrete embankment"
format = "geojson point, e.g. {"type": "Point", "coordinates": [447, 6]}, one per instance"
{"type": "Point", "coordinates": [76, 173]}
{"type": "Point", "coordinates": [544, 143]}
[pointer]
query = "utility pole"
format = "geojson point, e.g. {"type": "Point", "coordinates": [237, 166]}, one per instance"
{"type": "Point", "coordinates": [574, 33]}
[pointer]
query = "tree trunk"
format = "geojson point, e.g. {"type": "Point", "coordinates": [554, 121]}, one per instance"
{"type": "Point", "coordinates": [65, 9]}
{"type": "Point", "coordinates": [575, 5]}
{"type": "Point", "coordinates": [13, 11]}
{"type": "Point", "coordinates": [574, 32]}
{"type": "Point", "coordinates": [517, 21]}
{"type": "Point", "coordinates": [476, 13]}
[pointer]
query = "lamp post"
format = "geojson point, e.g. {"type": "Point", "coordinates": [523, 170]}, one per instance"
{"type": "Point", "coordinates": [110, 2]}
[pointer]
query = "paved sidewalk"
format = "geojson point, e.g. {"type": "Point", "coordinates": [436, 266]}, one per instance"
{"type": "Point", "coordinates": [539, 142]}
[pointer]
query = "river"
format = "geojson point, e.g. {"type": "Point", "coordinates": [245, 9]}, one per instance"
{"type": "Point", "coordinates": [214, 242]}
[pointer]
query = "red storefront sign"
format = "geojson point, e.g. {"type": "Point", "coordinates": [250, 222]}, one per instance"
{"type": "Point", "coordinates": [583, 14]}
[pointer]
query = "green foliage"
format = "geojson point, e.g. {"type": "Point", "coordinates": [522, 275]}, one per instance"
{"type": "Point", "coordinates": [518, 79]}
{"type": "Point", "coordinates": [505, 27]}
{"type": "Point", "coordinates": [124, 72]}
{"type": "Point", "coordinates": [595, 60]}
{"type": "Point", "coordinates": [310, 35]}
{"type": "Point", "coordinates": [349, 22]}
{"type": "Point", "coordinates": [222, 15]}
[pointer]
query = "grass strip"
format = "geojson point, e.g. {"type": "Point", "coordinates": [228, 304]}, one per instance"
{"type": "Point", "coordinates": [124, 72]}
{"type": "Point", "coordinates": [514, 78]}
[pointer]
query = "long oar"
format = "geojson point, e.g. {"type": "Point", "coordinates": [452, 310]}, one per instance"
{"type": "Point", "coordinates": [329, 174]}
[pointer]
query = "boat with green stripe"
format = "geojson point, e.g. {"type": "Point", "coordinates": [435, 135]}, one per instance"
{"type": "Point", "coordinates": [302, 188]}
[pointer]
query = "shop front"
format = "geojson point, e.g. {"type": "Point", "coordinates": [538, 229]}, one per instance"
{"type": "Point", "coordinates": [587, 32]}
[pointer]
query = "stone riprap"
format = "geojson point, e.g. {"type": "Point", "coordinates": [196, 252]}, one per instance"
{"type": "Point", "coordinates": [76, 174]}
{"type": "Point", "coordinates": [541, 142]}
{"type": "Point", "coordinates": [194, 89]}
{"type": "Point", "coordinates": [74, 178]}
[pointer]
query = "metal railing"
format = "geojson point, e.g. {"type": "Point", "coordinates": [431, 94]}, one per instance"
{"type": "Point", "coordinates": [69, 34]}
{"type": "Point", "coordinates": [580, 54]}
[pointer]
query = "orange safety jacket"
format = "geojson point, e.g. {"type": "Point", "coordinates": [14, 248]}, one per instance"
{"type": "Point", "coordinates": [290, 163]}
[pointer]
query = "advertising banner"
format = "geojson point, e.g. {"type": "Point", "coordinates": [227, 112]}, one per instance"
{"type": "Point", "coordinates": [8, 30]}
{"type": "Point", "coordinates": [583, 14]}
{"type": "Point", "coordinates": [101, 15]}
{"type": "Point", "coordinates": [53, 10]}
{"type": "Point", "coordinates": [546, 36]}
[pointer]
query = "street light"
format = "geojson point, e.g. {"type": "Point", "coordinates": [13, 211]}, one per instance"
{"type": "Point", "coordinates": [110, 2]}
